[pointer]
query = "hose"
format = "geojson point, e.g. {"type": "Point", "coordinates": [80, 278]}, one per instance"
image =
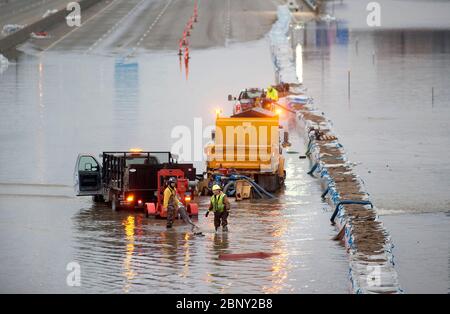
{"type": "Point", "coordinates": [325, 193]}
{"type": "Point", "coordinates": [227, 186]}
{"type": "Point", "coordinates": [258, 187]}
{"type": "Point", "coordinates": [338, 206]}
{"type": "Point", "coordinates": [255, 189]}
{"type": "Point", "coordinates": [310, 172]}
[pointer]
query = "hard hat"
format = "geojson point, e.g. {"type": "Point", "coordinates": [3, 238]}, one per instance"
{"type": "Point", "coordinates": [216, 187]}
{"type": "Point", "coordinates": [172, 180]}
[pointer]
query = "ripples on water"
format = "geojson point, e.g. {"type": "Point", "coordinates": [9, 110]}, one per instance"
{"type": "Point", "coordinates": [127, 252]}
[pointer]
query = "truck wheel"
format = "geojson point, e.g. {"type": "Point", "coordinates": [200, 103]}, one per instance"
{"type": "Point", "coordinates": [269, 183]}
{"type": "Point", "coordinates": [98, 198]}
{"type": "Point", "coordinates": [282, 179]}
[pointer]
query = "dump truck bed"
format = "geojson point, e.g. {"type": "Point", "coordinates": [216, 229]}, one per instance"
{"type": "Point", "coordinates": [245, 143]}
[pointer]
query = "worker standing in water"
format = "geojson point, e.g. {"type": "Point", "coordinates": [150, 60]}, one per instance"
{"type": "Point", "coordinates": [171, 201]}
{"type": "Point", "coordinates": [220, 206]}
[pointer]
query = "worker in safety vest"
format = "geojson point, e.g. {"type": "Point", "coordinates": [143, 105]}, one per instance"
{"type": "Point", "coordinates": [171, 201]}
{"type": "Point", "coordinates": [220, 206]}
{"type": "Point", "coordinates": [272, 94]}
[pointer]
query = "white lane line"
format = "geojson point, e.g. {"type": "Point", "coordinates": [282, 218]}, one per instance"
{"type": "Point", "coordinates": [228, 24]}
{"type": "Point", "coordinates": [77, 28]}
{"type": "Point", "coordinates": [133, 50]}
{"type": "Point", "coordinates": [30, 6]}
{"type": "Point", "coordinates": [115, 26]}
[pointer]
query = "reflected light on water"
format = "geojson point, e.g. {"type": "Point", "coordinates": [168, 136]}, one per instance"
{"type": "Point", "coordinates": [299, 62]}
{"type": "Point", "coordinates": [187, 256]}
{"type": "Point", "coordinates": [279, 262]}
{"type": "Point", "coordinates": [129, 273]}
{"type": "Point", "coordinates": [40, 135]}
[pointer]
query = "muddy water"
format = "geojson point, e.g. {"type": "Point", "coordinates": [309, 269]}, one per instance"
{"type": "Point", "coordinates": [394, 121]}
{"type": "Point", "coordinates": [58, 105]}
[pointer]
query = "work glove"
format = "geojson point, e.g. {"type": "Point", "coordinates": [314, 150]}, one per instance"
{"type": "Point", "coordinates": [207, 213]}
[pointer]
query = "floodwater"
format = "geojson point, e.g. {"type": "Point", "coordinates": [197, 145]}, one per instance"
{"type": "Point", "coordinates": [394, 125]}
{"type": "Point", "coordinates": [387, 91]}
{"type": "Point", "coordinates": [59, 104]}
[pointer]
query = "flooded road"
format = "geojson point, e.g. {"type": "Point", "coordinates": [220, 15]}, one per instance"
{"type": "Point", "coordinates": [394, 123]}
{"type": "Point", "coordinates": [126, 252]}
{"type": "Point", "coordinates": [67, 100]}
{"type": "Point", "coordinates": [61, 104]}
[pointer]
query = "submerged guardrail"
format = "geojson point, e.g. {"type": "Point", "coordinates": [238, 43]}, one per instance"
{"type": "Point", "coordinates": [369, 246]}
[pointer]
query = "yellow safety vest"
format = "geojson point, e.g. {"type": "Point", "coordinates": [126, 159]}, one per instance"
{"type": "Point", "coordinates": [273, 94]}
{"type": "Point", "coordinates": [217, 203]}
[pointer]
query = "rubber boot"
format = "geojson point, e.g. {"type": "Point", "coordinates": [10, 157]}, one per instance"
{"type": "Point", "coordinates": [224, 229]}
{"type": "Point", "coordinates": [169, 225]}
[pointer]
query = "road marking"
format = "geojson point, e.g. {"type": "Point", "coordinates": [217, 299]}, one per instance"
{"type": "Point", "coordinates": [76, 28]}
{"type": "Point", "coordinates": [115, 26]}
{"type": "Point", "coordinates": [133, 50]}
{"type": "Point", "coordinates": [30, 6]}
{"type": "Point", "coordinates": [228, 24]}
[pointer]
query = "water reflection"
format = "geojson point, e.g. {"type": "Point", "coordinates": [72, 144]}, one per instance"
{"type": "Point", "coordinates": [124, 251]}
{"type": "Point", "coordinates": [129, 273]}
{"type": "Point", "coordinates": [153, 259]}
{"type": "Point", "coordinates": [40, 134]}
{"type": "Point", "coordinates": [126, 100]}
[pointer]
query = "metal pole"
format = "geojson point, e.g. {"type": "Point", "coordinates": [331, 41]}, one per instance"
{"type": "Point", "coordinates": [348, 83]}
{"type": "Point", "coordinates": [432, 96]}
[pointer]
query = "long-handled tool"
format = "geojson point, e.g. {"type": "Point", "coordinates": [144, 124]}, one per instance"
{"type": "Point", "coordinates": [184, 215]}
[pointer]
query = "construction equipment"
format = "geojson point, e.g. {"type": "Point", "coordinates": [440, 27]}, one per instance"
{"type": "Point", "coordinates": [184, 195]}
{"type": "Point", "coordinates": [248, 144]}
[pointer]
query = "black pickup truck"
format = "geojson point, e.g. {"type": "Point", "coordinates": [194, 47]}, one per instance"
{"type": "Point", "coordinates": [125, 179]}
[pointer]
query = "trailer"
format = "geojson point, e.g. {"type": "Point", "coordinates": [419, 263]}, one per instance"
{"type": "Point", "coordinates": [127, 179]}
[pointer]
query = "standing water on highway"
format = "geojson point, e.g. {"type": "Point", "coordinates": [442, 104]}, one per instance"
{"type": "Point", "coordinates": [117, 82]}
{"type": "Point", "coordinates": [386, 89]}
{"type": "Point", "coordinates": [60, 104]}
